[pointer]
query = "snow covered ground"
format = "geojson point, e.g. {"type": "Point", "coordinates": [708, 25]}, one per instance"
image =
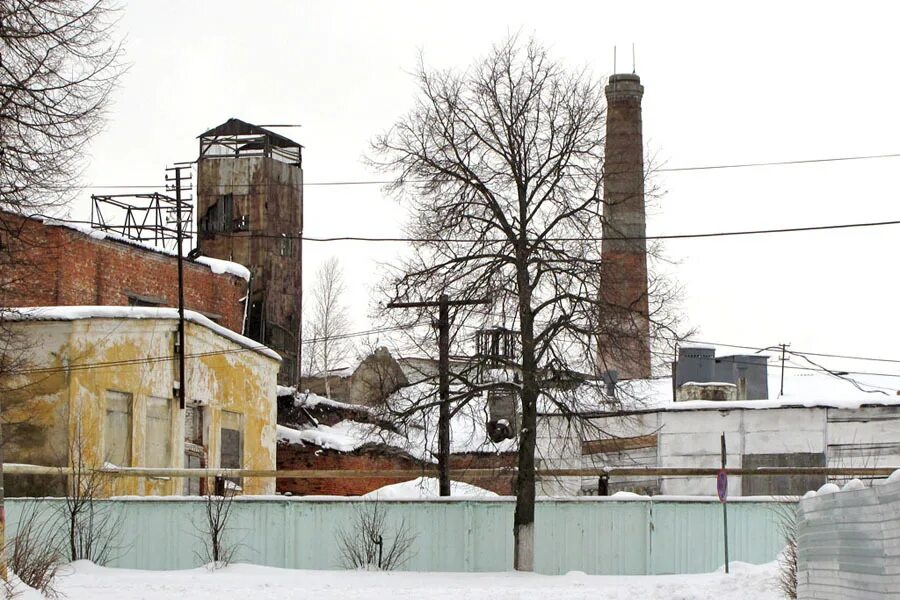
{"type": "Point", "coordinates": [86, 581]}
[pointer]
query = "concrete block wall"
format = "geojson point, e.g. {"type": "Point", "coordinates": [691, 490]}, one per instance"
{"type": "Point", "coordinates": [849, 543]}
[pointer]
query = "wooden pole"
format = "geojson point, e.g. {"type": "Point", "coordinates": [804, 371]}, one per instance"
{"type": "Point", "coordinates": [443, 304]}
{"type": "Point", "coordinates": [725, 507]}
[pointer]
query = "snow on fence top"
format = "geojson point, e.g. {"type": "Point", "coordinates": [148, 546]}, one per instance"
{"type": "Point", "coordinates": [74, 313]}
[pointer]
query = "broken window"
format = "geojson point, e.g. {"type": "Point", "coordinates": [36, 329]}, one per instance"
{"type": "Point", "coordinates": [219, 216]}
{"type": "Point", "coordinates": [142, 300]}
{"type": "Point", "coordinates": [193, 447]}
{"type": "Point", "coordinates": [232, 442]}
{"type": "Point", "coordinates": [158, 433]}
{"type": "Point", "coordinates": [117, 429]}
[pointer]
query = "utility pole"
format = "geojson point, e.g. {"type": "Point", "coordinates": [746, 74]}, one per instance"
{"type": "Point", "coordinates": [783, 351]}
{"type": "Point", "coordinates": [179, 234]}
{"type": "Point", "coordinates": [443, 304]}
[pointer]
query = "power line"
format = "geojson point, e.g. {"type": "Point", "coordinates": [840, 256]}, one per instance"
{"type": "Point", "coordinates": [805, 161]}
{"type": "Point", "coordinates": [676, 236]}
{"type": "Point", "coordinates": [169, 357]}
{"type": "Point", "coordinates": [452, 240]}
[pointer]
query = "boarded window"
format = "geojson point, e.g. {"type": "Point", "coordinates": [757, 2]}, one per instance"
{"type": "Point", "coordinates": [232, 440]}
{"type": "Point", "coordinates": [781, 485]}
{"type": "Point", "coordinates": [117, 429]}
{"type": "Point", "coordinates": [158, 433]}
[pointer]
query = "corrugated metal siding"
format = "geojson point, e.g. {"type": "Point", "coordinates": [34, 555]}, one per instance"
{"type": "Point", "coordinates": [596, 536]}
{"type": "Point", "coordinates": [849, 544]}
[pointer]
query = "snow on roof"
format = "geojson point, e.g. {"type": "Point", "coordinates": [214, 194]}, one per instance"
{"type": "Point", "coordinates": [310, 400]}
{"type": "Point", "coordinates": [349, 435]}
{"type": "Point", "coordinates": [74, 313]}
{"type": "Point", "coordinates": [802, 388]}
{"type": "Point", "coordinates": [426, 487]}
{"type": "Point", "coordinates": [216, 265]}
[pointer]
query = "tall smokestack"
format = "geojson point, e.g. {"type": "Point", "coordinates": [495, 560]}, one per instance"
{"type": "Point", "coordinates": [624, 336]}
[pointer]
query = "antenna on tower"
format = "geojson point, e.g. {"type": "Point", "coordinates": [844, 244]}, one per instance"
{"type": "Point", "coordinates": [633, 62]}
{"type": "Point", "coordinates": [614, 60]}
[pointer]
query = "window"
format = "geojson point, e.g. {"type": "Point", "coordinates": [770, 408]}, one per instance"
{"type": "Point", "coordinates": [117, 429]}
{"type": "Point", "coordinates": [287, 246]}
{"type": "Point", "coordinates": [231, 452]}
{"type": "Point", "coordinates": [158, 433]}
{"type": "Point", "coordinates": [232, 442]}
{"type": "Point", "coordinates": [219, 216]}
{"type": "Point", "coordinates": [142, 300]}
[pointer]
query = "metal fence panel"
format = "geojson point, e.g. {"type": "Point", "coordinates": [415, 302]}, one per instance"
{"type": "Point", "coordinates": [597, 536]}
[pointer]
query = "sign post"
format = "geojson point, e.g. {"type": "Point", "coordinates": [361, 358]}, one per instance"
{"type": "Point", "coordinates": [722, 491]}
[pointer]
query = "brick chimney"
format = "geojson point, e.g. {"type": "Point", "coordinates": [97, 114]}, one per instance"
{"type": "Point", "coordinates": [624, 336]}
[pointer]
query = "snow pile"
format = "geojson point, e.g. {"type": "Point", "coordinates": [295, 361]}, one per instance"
{"type": "Point", "coordinates": [242, 581]}
{"type": "Point", "coordinates": [427, 487]}
{"type": "Point", "coordinates": [828, 488]}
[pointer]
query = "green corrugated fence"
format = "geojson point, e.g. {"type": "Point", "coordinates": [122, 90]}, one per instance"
{"type": "Point", "coordinates": [610, 536]}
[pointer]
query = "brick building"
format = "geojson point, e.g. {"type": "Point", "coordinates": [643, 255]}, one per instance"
{"type": "Point", "coordinates": [49, 263]}
{"type": "Point", "coordinates": [315, 433]}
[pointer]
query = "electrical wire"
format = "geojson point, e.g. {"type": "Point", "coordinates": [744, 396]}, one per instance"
{"type": "Point", "coordinates": [806, 161]}
{"type": "Point", "coordinates": [674, 236]}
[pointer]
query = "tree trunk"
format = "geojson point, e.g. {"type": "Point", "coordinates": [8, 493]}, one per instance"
{"type": "Point", "coordinates": [523, 522]}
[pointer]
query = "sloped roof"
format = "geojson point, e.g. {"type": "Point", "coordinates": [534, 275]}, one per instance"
{"type": "Point", "coordinates": [235, 126]}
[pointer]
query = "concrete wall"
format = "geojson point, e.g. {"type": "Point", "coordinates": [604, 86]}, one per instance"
{"type": "Point", "coordinates": [65, 408]}
{"type": "Point", "coordinates": [849, 544]}
{"type": "Point", "coordinates": [860, 437]}
{"type": "Point", "coordinates": [597, 536]}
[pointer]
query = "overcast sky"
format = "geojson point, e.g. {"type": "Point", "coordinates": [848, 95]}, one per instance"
{"type": "Point", "coordinates": [766, 82]}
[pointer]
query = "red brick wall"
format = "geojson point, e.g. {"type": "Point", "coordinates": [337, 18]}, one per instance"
{"type": "Point", "coordinates": [58, 266]}
{"type": "Point", "coordinates": [293, 456]}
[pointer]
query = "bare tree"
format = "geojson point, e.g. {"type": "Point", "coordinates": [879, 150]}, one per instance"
{"type": "Point", "coordinates": [329, 321]}
{"type": "Point", "coordinates": [502, 168]}
{"type": "Point", "coordinates": [214, 528]}
{"type": "Point", "coordinates": [60, 61]}
{"type": "Point", "coordinates": [89, 524]}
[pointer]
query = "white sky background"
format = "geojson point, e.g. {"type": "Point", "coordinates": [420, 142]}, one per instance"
{"type": "Point", "coordinates": [772, 81]}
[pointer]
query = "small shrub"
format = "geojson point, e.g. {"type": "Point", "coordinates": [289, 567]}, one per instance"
{"type": "Point", "coordinates": [787, 560]}
{"type": "Point", "coordinates": [33, 553]}
{"type": "Point", "coordinates": [369, 543]}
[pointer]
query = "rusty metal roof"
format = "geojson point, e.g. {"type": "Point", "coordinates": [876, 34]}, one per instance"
{"type": "Point", "coordinates": [238, 127]}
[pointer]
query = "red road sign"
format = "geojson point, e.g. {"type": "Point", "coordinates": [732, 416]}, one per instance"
{"type": "Point", "coordinates": [722, 485]}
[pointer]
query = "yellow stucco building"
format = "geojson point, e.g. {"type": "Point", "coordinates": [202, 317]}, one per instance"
{"type": "Point", "coordinates": [102, 381]}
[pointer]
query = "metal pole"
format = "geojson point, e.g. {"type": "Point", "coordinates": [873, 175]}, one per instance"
{"type": "Point", "coordinates": [725, 510]}
{"type": "Point", "coordinates": [444, 394]}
